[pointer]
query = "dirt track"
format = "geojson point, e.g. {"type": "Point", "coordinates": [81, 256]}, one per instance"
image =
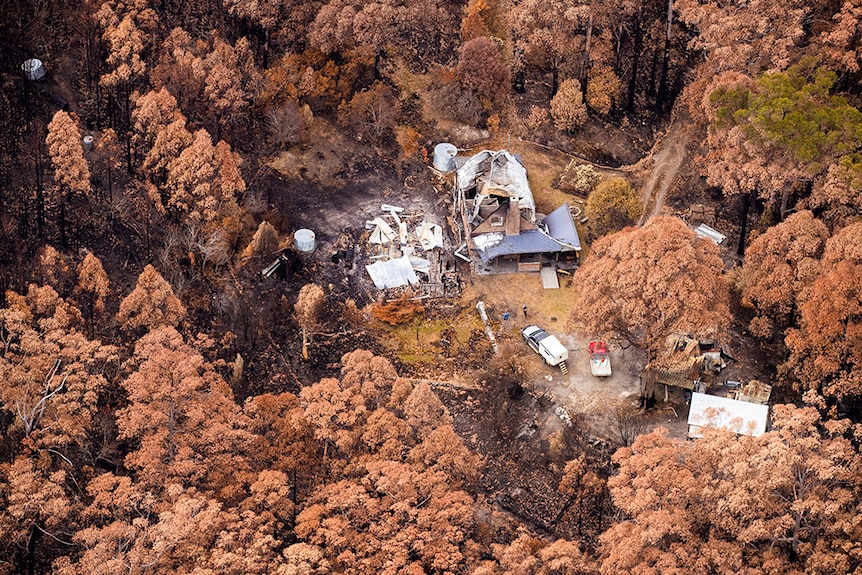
{"type": "Point", "coordinates": [667, 156]}
{"type": "Point", "coordinates": [596, 397]}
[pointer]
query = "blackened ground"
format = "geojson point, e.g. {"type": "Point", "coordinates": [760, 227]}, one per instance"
{"type": "Point", "coordinates": [336, 208]}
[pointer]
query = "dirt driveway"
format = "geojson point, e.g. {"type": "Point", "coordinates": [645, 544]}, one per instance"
{"type": "Point", "coordinates": [333, 211]}
{"type": "Point", "coordinates": [604, 403]}
{"type": "Point", "coordinates": [598, 400]}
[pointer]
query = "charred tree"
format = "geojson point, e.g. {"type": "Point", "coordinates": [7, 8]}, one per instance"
{"type": "Point", "coordinates": [662, 85]}
{"type": "Point", "coordinates": [638, 45]}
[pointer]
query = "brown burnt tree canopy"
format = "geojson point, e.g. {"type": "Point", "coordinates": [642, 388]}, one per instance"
{"type": "Point", "coordinates": [166, 407]}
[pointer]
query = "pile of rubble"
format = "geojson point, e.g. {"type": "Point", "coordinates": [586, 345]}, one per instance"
{"type": "Point", "coordinates": [406, 249]}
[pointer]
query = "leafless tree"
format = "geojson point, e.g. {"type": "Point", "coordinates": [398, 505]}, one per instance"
{"type": "Point", "coordinates": [31, 406]}
{"type": "Point", "coordinates": [286, 124]}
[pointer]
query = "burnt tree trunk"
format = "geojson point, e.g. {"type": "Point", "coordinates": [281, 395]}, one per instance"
{"type": "Point", "coordinates": [746, 204]}
{"type": "Point", "coordinates": [662, 84]}
{"type": "Point", "coordinates": [630, 104]}
{"type": "Point", "coordinates": [652, 73]}
{"type": "Point", "coordinates": [555, 77]}
{"type": "Point", "coordinates": [619, 32]}
{"type": "Point", "coordinates": [128, 132]}
{"type": "Point", "coordinates": [40, 197]}
{"type": "Point", "coordinates": [61, 222]}
{"type": "Point", "coordinates": [585, 72]}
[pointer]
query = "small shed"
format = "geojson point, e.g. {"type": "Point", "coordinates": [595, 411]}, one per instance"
{"type": "Point", "coordinates": [704, 231]}
{"type": "Point", "coordinates": [741, 417]}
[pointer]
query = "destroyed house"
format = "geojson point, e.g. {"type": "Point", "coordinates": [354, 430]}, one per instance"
{"type": "Point", "coordinates": [503, 232]}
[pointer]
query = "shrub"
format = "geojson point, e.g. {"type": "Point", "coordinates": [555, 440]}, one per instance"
{"type": "Point", "coordinates": [579, 179]}
{"type": "Point", "coordinates": [481, 68]}
{"type": "Point", "coordinates": [613, 205]}
{"type": "Point", "coordinates": [399, 311]}
{"type": "Point", "coordinates": [567, 106]}
{"type": "Point", "coordinates": [603, 89]}
{"type": "Point", "coordinates": [287, 123]}
{"type": "Point", "coordinates": [451, 101]}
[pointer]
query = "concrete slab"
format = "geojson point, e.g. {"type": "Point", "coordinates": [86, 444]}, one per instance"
{"type": "Point", "coordinates": [549, 278]}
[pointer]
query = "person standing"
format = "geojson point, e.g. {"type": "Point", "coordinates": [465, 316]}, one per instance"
{"type": "Point", "coordinates": [524, 307]}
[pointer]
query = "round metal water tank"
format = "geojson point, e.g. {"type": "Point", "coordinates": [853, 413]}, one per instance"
{"type": "Point", "coordinates": [33, 69]}
{"type": "Point", "coordinates": [444, 157]}
{"type": "Point", "coordinates": [304, 240]}
{"type": "Point", "coordinates": [88, 142]}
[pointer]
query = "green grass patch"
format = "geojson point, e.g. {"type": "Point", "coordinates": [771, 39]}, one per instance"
{"type": "Point", "coordinates": [416, 343]}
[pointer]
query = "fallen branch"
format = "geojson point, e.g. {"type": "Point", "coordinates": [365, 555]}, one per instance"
{"type": "Point", "coordinates": [333, 334]}
{"type": "Point", "coordinates": [488, 331]}
{"type": "Point", "coordinates": [450, 384]}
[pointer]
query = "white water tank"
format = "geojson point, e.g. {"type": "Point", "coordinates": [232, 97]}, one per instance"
{"type": "Point", "coordinates": [33, 69]}
{"type": "Point", "coordinates": [304, 240]}
{"type": "Point", "coordinates": [88, 142]}
{"type": "Point", "coordinates": [444, 157]}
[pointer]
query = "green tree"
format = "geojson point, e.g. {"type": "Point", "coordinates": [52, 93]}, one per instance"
{"type": "Point", "coordinates": [613, 205]}
{"type": "Point", "coordinates": [781, 127]}
{"type": "Point", "coordinates": [567, 106]}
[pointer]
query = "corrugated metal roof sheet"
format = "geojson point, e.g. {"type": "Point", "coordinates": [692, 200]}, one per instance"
{"type": "Point", "coordinates": [392, 273]}
{"type": "Point", "coordinates": [527, 242]}
{"type": "Point", "coordinates": [502, 172]}
{"type": "Point", "coordinates": [563, 237]}
{"type": "Point", "coordinates": [704, 231]}
{"type": "Point", "coordinates": [724, 413]}
{"type": "Point", "coordinates": [562, 227]}
{"type": "Point", "coordinates": [682, 373]}
{"type": "Point", "coordinates": [675, 379]}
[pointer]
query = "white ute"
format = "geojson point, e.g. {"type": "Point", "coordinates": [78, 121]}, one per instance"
{"type": "Point", "coordinates": [600, 361]}
{"type": "Point", "coordinates": [549, 347]}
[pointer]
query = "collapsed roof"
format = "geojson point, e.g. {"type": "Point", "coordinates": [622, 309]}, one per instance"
{"type": "Point", "coordinates": [392, 273]}
{"type": "Point", "coordinates": [496, 174]}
